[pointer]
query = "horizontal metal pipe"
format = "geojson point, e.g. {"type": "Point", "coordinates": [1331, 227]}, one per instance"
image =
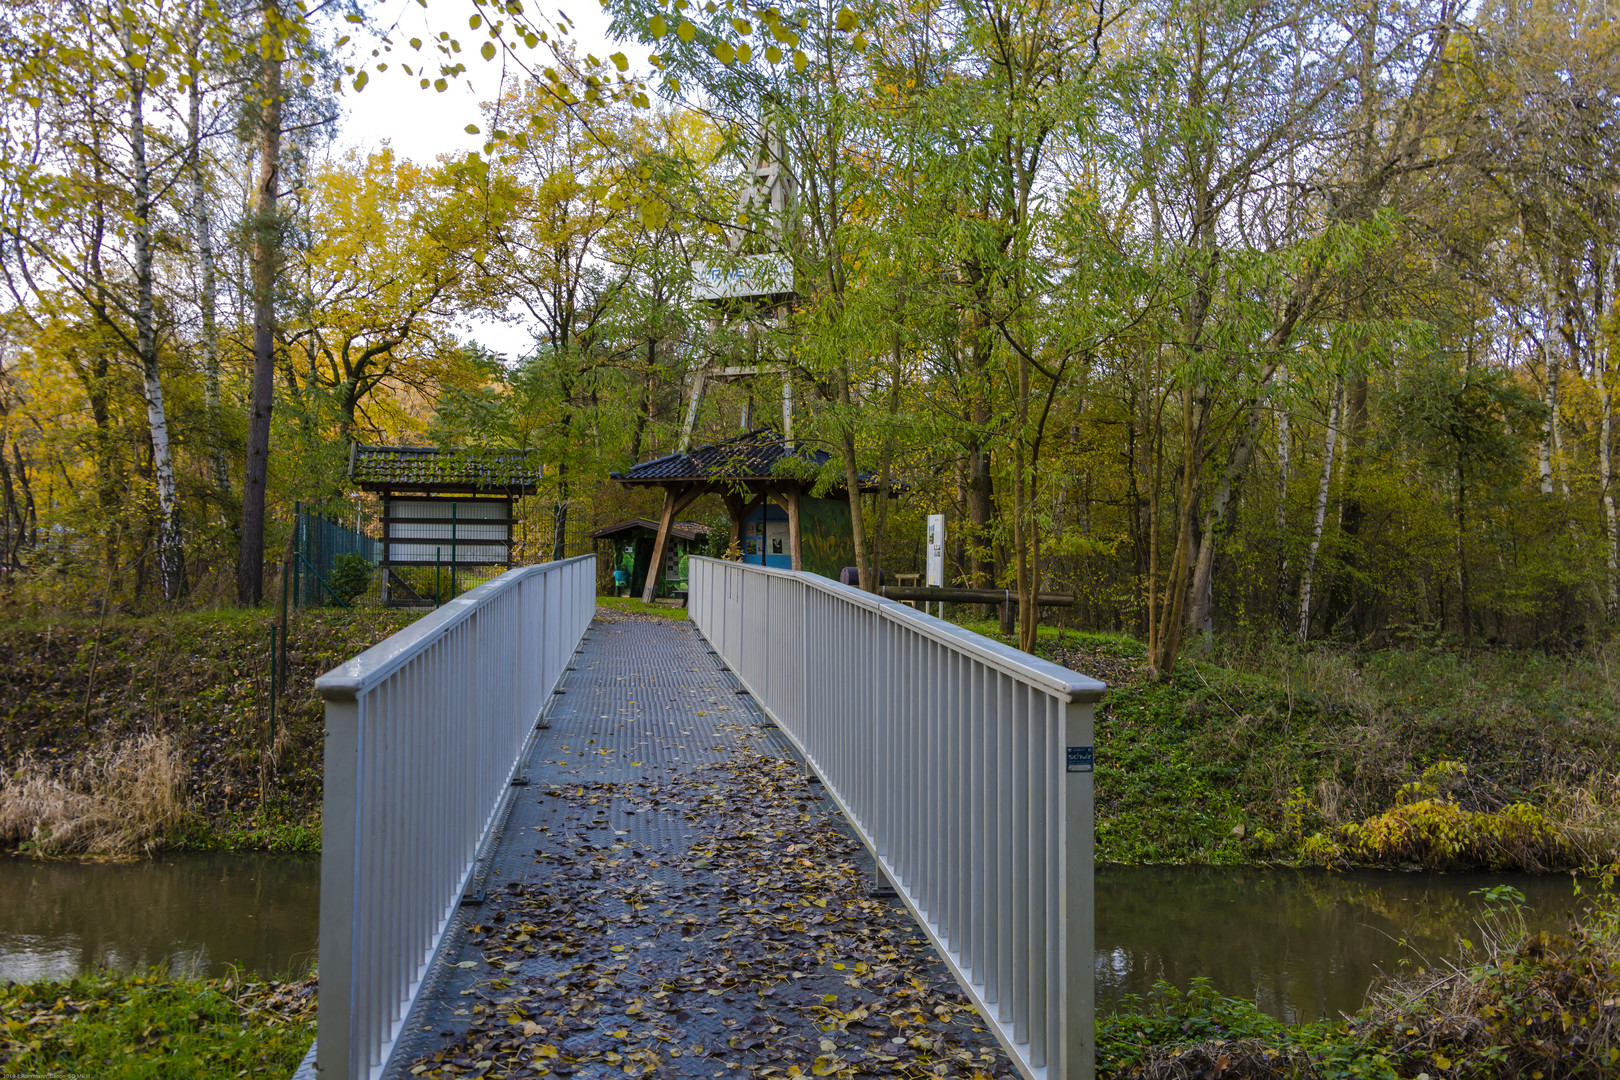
{"type": "Point", "coordinates": [972, 596]}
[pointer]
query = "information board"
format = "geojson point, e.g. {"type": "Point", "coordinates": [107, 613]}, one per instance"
{"type": "Point", "coordinates": [936, 550]}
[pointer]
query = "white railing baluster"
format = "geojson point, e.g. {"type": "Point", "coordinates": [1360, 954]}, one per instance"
{"type": "Point", "coordinates": [964, 765]}
{"type": "Point", "coordinates": [423, 735]}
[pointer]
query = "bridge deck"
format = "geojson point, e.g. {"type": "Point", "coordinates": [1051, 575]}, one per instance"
{"type": "Point", "coordinates": [670, 897]}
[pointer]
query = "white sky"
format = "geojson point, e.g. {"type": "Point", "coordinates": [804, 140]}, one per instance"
{"type": "Point", "coordinates": [423, 124]}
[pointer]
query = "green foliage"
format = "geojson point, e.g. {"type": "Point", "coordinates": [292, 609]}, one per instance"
{"type": "Point", "coordinates": [1439, 834]}
{"type": "Point", "coordinates": [1534, 1006]}
{"type": "Point", "coordinates": [148, 1026]}
{"type": "Point", "coordinates": [351, 576]}
{"type": "Point", "coordinates": [1325, 757]}
{"type": "Point", "coordinates": [1171, 1033]}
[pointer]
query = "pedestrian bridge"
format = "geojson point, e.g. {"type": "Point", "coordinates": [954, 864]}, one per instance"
{"type": "Point", "coordinates": [557, 844]}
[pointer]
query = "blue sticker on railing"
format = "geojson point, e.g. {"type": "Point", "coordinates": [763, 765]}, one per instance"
{"type": "Point", "coordinates": [1080, 758]}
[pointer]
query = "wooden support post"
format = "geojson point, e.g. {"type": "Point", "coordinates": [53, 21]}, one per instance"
{"type": "Point", "coordinates": [734, 510]}
{"type": "Point", "coordinates": [795, 551]}
{"type": "Point", "coordinates": [655, 571]}
{"type": "Point", "coordinates": [673, 504]}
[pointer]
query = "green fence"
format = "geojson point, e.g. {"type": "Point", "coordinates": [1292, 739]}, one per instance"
{"type": "Point", "coordinates": [318, 542]}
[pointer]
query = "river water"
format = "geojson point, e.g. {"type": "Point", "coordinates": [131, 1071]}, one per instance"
{"type": "Point", "coordinates": [1301, 944]}
{"type": "Point", "coordinates": [191, 914]}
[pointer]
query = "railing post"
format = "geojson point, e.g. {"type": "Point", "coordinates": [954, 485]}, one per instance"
{"type": "Point", "coordinates": [335, 1008]}
{"type": "Point", "coordinates": [1079, 908]}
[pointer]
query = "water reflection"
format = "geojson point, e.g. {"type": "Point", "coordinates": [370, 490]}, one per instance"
{"type": "Point", "coordinates": [194, 915]}
{"type": "Point", "coordinates": [1301, 944]}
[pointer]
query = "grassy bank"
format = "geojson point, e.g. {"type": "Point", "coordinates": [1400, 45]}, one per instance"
{"type": "Point", "coordinates": [147, 1026]}
{"type": "Point", "coordinates": [1402, 757]}
{"type": "Point", "coordinates": [1539, 1007]}
{"type": "Point", "coordinates": [154, 732]}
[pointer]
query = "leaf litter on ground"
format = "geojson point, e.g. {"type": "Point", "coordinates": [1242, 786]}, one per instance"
{"type": "Point", "coordinates": [754, 948]}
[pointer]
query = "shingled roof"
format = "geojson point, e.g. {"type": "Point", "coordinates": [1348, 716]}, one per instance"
{"type": "Point", "coordinates": [754, 455]}
{"type": "Point", "coordinates": [433, 470]}
{"type": "Point", "coordinates": [684, 530]}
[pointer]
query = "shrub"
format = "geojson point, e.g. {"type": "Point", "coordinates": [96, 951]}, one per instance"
{"type": "Point", "coordinates": [351, 576]}
{"type": "Point", "coordinates": [1540, 1006]}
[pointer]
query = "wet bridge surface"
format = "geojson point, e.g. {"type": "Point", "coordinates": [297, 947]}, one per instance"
{"type": "Point", "coordinates": [669, 896]}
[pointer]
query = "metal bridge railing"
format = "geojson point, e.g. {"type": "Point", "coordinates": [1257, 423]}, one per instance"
{"type": "Point", "coordinates": [964, 766]}
{"type": "Point", "coordinates": [424, 733]}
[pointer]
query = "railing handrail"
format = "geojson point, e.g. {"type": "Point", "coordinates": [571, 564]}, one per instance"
{"type": "Point", "coordinates": [423, 735]}
{"type": "Point", "coordinates": [1015, 662]}
{"type": "Point", "coordinates": [964, 766]}
{"type": "Point", "coordinates": [350, 679]}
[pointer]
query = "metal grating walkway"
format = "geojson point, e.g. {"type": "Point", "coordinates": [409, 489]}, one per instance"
{"type": "Point", "coordinates": [669, 896]}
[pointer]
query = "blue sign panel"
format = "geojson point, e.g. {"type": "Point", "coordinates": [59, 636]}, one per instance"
{"type": "Point", "coordinates": [1080, 758]}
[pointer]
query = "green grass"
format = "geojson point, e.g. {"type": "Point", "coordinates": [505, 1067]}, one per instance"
{"type": "Point", "coordinates": [1248, 750]}
{"type": "Point", "coordinates": [148, 1026]}
{"type": "Point", "coordinates": [1145, 1034]}
{"type": "Point", "coordinates": [630, 605]}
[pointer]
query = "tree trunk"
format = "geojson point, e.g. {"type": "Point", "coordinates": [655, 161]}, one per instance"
{"type": "Point", "coordinates": [559, 515]}
{"type": "Point", "coordinates": [170, 554]}
{"type": "Point", "coordinates": [1322, 490]}
{"type": "Point", "coordinates": [1284, 449]}
{"type": "Point", "coordinates": [1611, 528]}
{"type": "Point", "coordinates": [880, 540]}
{"type": "Point", "coordinates": [852, 480]}
{"type": "Point", "coordinates": [200, 220]}
{"type": "Point", "coordinates": [266, 256]}
{"type": "Point", "coordinates": [1549, 359]}
{"type": "Point", "coordinates": [981, 487]}
{"type": "Point", "coordinates": [1352, 513]}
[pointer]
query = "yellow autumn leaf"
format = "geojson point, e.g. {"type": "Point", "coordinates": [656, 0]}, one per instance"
{"type": "Point", "coordinates": [658, 27]}
{"type": "Point", "coordinates": [825, 1065]}
{"type": "Point", "coordinates": [686, 31]}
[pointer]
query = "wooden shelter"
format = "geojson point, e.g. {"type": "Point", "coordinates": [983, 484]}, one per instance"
{"type": "Point", "coordinates": [632, 542]}
{"type": "Point", "coordinates": [756, 474]}
{"type": "Point", "coordinates": [443, 507]}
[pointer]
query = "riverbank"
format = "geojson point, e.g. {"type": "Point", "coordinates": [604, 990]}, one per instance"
{"type": "Point", "coordinates": [1411, 758]}
{"type": "Point", "coordinates": [154, 733]}
{"type": "Point", "coordinates": [148, 1026]}
{"type": "Point", "coordinates": [1541, 1006]}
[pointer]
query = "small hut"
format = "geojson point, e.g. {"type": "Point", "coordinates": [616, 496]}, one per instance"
{"type": "Point", "coordinates": [774, 519]}
{"type": "Point", "coordinates": [631, 544]}
{"type": "Point", "coordinates": [451, 508]}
